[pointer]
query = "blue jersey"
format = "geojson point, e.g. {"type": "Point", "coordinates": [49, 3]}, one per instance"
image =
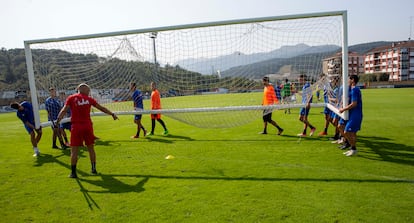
{"type": "Point", "coordinates": [325, 94]}
{"type": "Point", "coordinates": [26, 115]}
{"type": "Point", "coordinates": [53, 107]}
{"type": "Point", "coordinates": [338, 95]}
{"type": "Point", "coordinates": [277, 92]}
{"type": "Point", "coordinates": [355, 96]}
{"type": "Point", "coordinates": [137, 97]}
{"type": "Point", "coordinates": [307, 93]}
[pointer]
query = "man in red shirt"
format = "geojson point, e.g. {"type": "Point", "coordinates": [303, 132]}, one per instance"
{"type": "Point", "coordinates": [269, 98]}
{"type": "Point", "coordinates": [155, 105]}
{"type": "Point", "coordinates": [82, 130]}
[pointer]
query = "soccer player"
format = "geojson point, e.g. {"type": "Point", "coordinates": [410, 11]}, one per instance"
{"type": "Point", "coordinates": [335, 98]}
{"type": "Point", "coordinates": [286, 93]}
{"type": "Point", "coordinates": [82, 129]}
{"type": "Point", "coordinates": [138, 105]}
{"type": "Point", "coordinates": [53, 106]}
{"type": "Point", "coordinates": [25, 113]}
{"type": "Point", "coordinates": [269, 98]}
{"type": "Point", "coordinates": [327, 98]}
{"type": "Point", "coordinates": [278, 89]}
{"type": "Point", "coordinates": [326, 112]}
{"type": "Point", "coordinates": [155, 105]}
{"type": "Point", "coordinates": [353, 125]}
{"type": "Point", "coordinates": [66, 125]}
{"type": "Point", "coordinates": [307, 100]}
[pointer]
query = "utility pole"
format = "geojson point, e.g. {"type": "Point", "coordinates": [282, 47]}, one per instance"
{"type": "Point", "coordinates": [153, 37]}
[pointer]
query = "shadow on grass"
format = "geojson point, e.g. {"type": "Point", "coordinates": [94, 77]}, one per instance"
{"type": "Point", "coordinates": [387, 150]}
{"type": "Point", "coordinates": [169, 139]}
{"type": "Point", "coordinates": [163, 139]}
{"type": "Point", "coordinates": [47, 158]}
{"type": "Point", "coordinates": [274, 179]}
{"type": "Point", "coordinates": [107, 182]}
{"type": "Point", "coordinates": [110, 183]}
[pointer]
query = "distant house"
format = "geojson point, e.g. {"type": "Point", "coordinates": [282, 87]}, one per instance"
{"type": "Point", "coordinates": [396, 60]}
{"type": "Point", "coordinates": [333, 65]}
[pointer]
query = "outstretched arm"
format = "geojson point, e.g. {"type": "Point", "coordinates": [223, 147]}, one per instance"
{"type": "Point", "coordinates": [105, 110]}
{"type": "Point", "coordinates": [62, 113]}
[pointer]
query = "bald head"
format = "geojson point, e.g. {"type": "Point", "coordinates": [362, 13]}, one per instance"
{"type": "Point", "coordinates": [83, 88]}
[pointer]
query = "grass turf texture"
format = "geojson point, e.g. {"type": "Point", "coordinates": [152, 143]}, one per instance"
{"type": "Point", "coordinates": [218, 175]}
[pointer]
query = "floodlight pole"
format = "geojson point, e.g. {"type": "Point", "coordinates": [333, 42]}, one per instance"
{"type": "Point", "coordinates": [153, 37]}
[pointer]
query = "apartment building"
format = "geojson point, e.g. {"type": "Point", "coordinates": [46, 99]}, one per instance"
{"type": "Point", "coordinates": [333, 65]}
{"type": "Point", "coordinates": [396, 60]}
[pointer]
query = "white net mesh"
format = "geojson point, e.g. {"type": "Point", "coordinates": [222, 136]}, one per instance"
{"type": "Point", "coordinates": [217, 69]}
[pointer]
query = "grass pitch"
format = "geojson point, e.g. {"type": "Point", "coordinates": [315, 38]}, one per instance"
{"type": "Point", "coordinates": [218, 175]}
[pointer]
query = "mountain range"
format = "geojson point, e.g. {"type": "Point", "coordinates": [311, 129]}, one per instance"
{"type": "Point", "coordinates": [238, 62]}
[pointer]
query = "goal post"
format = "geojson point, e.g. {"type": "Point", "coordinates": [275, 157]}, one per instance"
{"type": "Point", "coordinates": [209, 74]}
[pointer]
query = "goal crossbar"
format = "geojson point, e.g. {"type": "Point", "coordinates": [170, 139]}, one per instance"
{"type": "Point", "coordinates": [344, 45]}
{"type": "Point", "coordinates": [189, 26]}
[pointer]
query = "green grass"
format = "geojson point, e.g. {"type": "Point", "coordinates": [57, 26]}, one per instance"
{"type": "Point", "coordinates": [218, 175]}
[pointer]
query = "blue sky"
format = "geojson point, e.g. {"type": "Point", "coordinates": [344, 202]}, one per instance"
{"type": "Point", "coordinates": [368, 20]}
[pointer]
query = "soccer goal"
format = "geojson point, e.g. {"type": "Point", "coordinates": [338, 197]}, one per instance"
{"type": "Point", "coordinates": [209, 74]}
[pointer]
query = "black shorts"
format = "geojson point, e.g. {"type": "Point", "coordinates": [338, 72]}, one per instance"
{"type": "Point", "coordinates": [267, 116]}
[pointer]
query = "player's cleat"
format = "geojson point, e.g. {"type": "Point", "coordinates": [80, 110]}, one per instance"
{"type": "Point", "coordinates": [36, 154]}
{"type": "Point", "coordinates": [280, 132]}
{"type": "Point", "coordinates": [65, 146]}
{"type": "Point", "coordinates": [346, 152]}
{"type": "Point", "coordinates": [145, 132]}
{"type": "Point", "coordinates": [312, 132]}
{"type": "Point", "coordinates": [345, 146]}
{"type": "Point", "coordinates": [301, 135]}
{"type": "Point", "coordinates": [263, 133]}
{"type": "Point", "coordinates": [165, 132]}
{"type": "Point", "coordinates": [73, 175]}
{"type": "Point", "coordinates": [134, 137]}
{"type": "Point", "coordinates": [322, 134]}
{"type": "Point", "coordinates": [55, 147]}
{"type": "Point", "coordinates": [94, 172]}
{"type": "Point", "coordinates": [150, 134]}
{"type": "Point", "coordinates": [351, 152]}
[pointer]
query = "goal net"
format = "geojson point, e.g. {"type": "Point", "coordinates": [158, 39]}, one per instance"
{"type": "Point", "coordinates": [208, 74]}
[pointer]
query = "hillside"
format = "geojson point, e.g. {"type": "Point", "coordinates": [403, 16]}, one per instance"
{"type": "Point", "coordinates": [365, 47]}
{"type": "Point", "coordinates": [237, 59]}
{"type": "Point", "coordinates": [13, 71]}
